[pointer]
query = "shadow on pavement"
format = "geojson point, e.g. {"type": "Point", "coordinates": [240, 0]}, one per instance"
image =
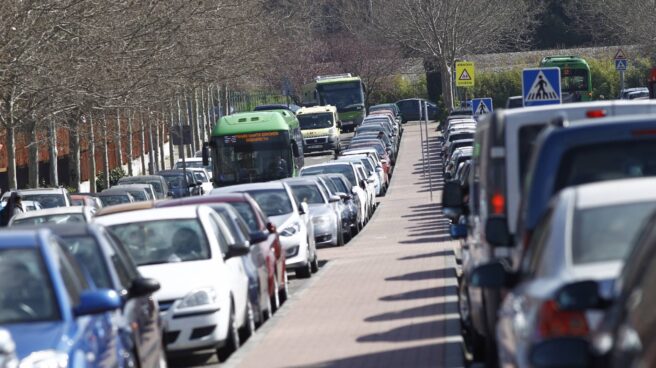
{"type": "Point", "coordinates": [430, 310]}
{"type": "Point", "coordinates": [443, 273]}
{"type": "Point", "coordinates": [432, 292]}
{"type": "Point", "coordinates": [416, 331]}
{"type": "Point", "coordinates": [441, 253]}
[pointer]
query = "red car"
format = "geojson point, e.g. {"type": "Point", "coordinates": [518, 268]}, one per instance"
{"type": "Point", "coordinates": [257, 221]}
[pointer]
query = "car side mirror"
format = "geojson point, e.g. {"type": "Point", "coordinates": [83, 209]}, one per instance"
{"type": "Point", "coordinates": [561, 352]}
{"type": "Point", "coordinates": [143, 286]}
{"type": "Point", "coordinates": [452, 195]}
{"type": "Point", "coordinates": [198, 183]}
{"type": "Point", "coordinates": [303, 208]}
{"type": "Point", "coordinates": [339, 124]}
{"type": "Point", "coordinates": [580, 295]}
{"type": "Point", "coordinates": [334, 198]}
{"type": "Point", "coordinates": [97, 301]}
{"type": "Point", "coordinates": [271, 228]}
{"type": "Point", "coordinates": [258, 236]}
{"type": "Point", "coordinates": [344, 196]}
{"type": "Point", "coordinates": [496, 231]}
{"type": "Point", "coordinates": [493, 275]}
{"type": "Point", "coordinates": [458, 231]}
{"type": "Point", "coordinates": [206, 154]}
{"type": "Point", "coordinates": [237, 250]}
{"type": "Point", "coordinates": [363, 184]}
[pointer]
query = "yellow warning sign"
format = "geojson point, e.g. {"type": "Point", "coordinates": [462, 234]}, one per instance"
{"type": "Point", "coordinates": [465, 74]}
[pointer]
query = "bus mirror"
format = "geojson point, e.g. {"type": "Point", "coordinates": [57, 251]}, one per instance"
{"type": "Point", "coordinates": [206, 154]}
{"type": "Point", "coordinates": [295, 150]}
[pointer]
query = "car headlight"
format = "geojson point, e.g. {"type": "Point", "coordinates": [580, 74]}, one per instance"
{"type": "Point", "coordinates": [291, 252]}
{"type": "Point", "coordinates": [197, 298]}
{"type": "Point", "coordinates": [45, 359]}
{"type": "Point", "coordinates": [291, 230]}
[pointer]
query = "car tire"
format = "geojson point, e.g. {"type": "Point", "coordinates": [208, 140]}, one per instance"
{"type": "Point", "coordinates": [474, 342]}
{"type": "Point", "coordinates": [306, 271]}
{"type": "Point", "coordinates": [284, 291]}
{"type": "Point", "coordinates": [248, 329]}
{"type": "Point", "coordinates": [314, 265]}
{"type": "Point", "coordinates": [232, 342]}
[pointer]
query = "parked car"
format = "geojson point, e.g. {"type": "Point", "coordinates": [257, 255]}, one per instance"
{"type": "Point", "coordinates": [57, 215]}
{"type": "Point", "coordinates": [115, 197]}
{"type": "Point", "coordinates": [85, 200]}
{"type": "Point", "coordinates": [514, 102]}
{"type": "Point", "coordinates": [204, 289]}
{"type": "Point", "coordinates": [410, 109]}
{"type": "Point", "coordinates": [201, 175]}
{"type": "Point", "coordinates": [53, 314]}
{"type": "Point", "coordinates": [292, 219]}
{"type": "Point", "coordinates": [138, 194]}
{"type": "Point", "coordinates": [194, 163]}
{"type": "Point", "coordinates": [327, 222]}
{"type": "Point", "coordinates": [458, 156]}
{"type": "Point", "coordinates": [259, 225]}
{"type": "Point", "coordinates": [137, 189]}
{"type": "Point", "coordinates": [387, 106]}
{"type": "Point", "coordinates": [344, 208]}
{"type": "Point", "coordinates": [585, 234]}
{"type": "Point", "coordinates": [47, 197]}
{"type": "Point", "coordinates": [383, 166]}
{"type": "Point", "coordinates": [160, 185]}
{"type": "Point", "coordinates": [110, 267]}
{"type": "Point", "coordinates": [351, 201]}
{"type": "Point", "coordinates": [180, 185]}
{"type": "Point", "coordinates": [371, 169]}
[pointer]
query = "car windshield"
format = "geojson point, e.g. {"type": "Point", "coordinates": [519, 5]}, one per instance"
{"type": "Point", "coordinates": [247, 213]}
{"type": "Point", "coordinates": [110, 200]}
{"type": "Point", "coordinates": [307, 193]}
{"type": "Point", "coordinates": [379, 146]}
{"type": "Point", "coordinates": [64, 218]}
{"type": "Point", "coordinates": [87, 252]}
{"type": "Point", "coordinates": [175, 181]}
{"type": "Point", "coordinates": [164, 241]}
{"type": "Point", "coordinates": [274, 202]}
{"type": "Point", "coordinates": [339, 184]}
{"type": "Point", "coordinates": [139, 195]}
{"type": "Point", "coordinates": [27, 291]}
{"type": "Point", "coordinates": [46, 200]}
{"type": "Point", "coordinates": [331, 169]}
{"type": "Point", "coordinates": [574, 80]}
{"type": "Point", "coordinates": [607, 233]}
{"type": "Point", "coordinates": [315, 121]}
{"type": "Point", "coordinates": [200, 176]}
{"type": "Point", "coordinates": [330, 185]}
{"type": "Point", "coordinates": [608, 161]}
{"type": "Point", "coordinates": [459, 136]}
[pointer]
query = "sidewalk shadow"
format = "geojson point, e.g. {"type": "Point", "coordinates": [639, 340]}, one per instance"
{"type": "Point", "coordinates": [440, 253]}
{"type": "Point", "coordinates": [429, 310]}
{"type": "Point", "coordinates": [416, 331]}
{"type": "Point", "coordinates": [432, 292]}
{"type": "Point", "coordinates": [443, 273]}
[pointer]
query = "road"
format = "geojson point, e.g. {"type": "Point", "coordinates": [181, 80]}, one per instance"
{"type": "Point", "coordinates": [387, 299]}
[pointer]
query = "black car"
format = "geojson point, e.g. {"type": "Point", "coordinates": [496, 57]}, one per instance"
{"type": "Point", "coordinates": [410, 109]}
{"type": "Point", "coordinates": [179, 184]}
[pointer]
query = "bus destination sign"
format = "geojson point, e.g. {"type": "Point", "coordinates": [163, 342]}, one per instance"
{"type": "Point", "coordinates": [251, 137]}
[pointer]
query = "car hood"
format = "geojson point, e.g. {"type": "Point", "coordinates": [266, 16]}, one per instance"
{"type": "Point", "coordinates": [32, 337]}
{"type": "Point", "coordinates": [319, 209]}
{"type": "Point", "coordinates": [179, 278]}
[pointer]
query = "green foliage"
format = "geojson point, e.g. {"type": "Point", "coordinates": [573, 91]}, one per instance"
{"type": "Point", "coordinates": [114, 176]}
{"type": "Point", "coordinates": [606, 80]}
{"type": "Point", "coordinates": [399, 87]}
{"type": "Point", "coordinates": [497, 85]}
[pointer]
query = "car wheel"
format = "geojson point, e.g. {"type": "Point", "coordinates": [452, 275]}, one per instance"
{"type": "Point", "coordinates": [267, 312]}
{"type": "Point", "coordinates": [274, 300]}
{"type": "Point", "coordinates": [249, 326]}
{"type": "Point", "coordinates": [315, 264]}
{"type": "Point", "coordinates": [474, 342]}
{"type": "Point", "coordinates": [284, 291]}
{"type": "Point", "coordinates": [340, 237]}
{"type": "Point", "coordinates": [232, 342]}
{"type": "Point", "coordinates": [305, 271]}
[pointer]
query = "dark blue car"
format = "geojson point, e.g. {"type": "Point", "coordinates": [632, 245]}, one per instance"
{"type": "Point", "coordinates": [110, 266]}
{"type": "Point", "coordinates": [604, 149]}
{"type": "Point", "coordinates": [55, 318]}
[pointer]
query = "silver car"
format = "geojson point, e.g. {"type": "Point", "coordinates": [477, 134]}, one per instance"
{"type": "Point", "coordinates": [57, 215]}
{"type": "Point", "coordinates": [325, 216]}
{"type": "Point", "coordinates": [585, 235]}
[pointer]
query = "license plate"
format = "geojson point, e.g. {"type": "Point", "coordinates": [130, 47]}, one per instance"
{"type": "Point", "coordinates": [315, 146]}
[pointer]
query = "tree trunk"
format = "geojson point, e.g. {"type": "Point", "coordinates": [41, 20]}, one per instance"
{"type": "Point", "coordinates": [11, 157]}
{"type": "Point", "coordinates": [152, 154]}
{"type": "Point", "coordinates": [162, 139]}
{"type": "Point", "coordinates": [188, 118]}
{"type": "Point", "coordinates": [181, 146]}
{"type": "Point", "coordinates": [198, 140]}
{"type": "Point", "coordinates": [143, 144]}
{"type": "Point", "coordinates": [52, 153]}
{"type": "Point", "coordinates": [75, 155]}
{"type": "Point", "coordinates": [156, 149]}
{"type": "Point", "coordinates": [129, 151]}
{"type": "Point", "coordinates": [105, 151]}
{"type": "Point", "coordinates": [92, 156]}
{"type": "Point", "coordinates": [33, 157]}
{"type": "Point", "coordinates": [171, 127]}
{"type": "Point", "coordinates": [447, 86]}
{"type": "Point", "coordinates": [118, 145]}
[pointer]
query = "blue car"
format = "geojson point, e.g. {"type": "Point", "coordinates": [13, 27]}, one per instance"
{"type": "Point", "coordinates": [55, 318]}
{"type": "Point", "coordinates": [111, 267]}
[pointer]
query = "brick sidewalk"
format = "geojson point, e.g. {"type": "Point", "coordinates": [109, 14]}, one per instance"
{"type": "Point", "coordinates": [387, 299]}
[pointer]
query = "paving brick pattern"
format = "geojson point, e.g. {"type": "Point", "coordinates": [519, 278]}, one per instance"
{"type": "Point", "coordinates": [387, 299]}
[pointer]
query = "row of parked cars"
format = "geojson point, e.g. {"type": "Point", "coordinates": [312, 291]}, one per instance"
{"type": "Point", "coordinates": [135, 283]}
{"type": "Point", "coordinates": [555, 209]}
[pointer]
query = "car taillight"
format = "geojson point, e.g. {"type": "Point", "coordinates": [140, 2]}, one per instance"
{"type": "Point", "coordinates": [498, 204]}
{"type": "Point", "coordinates": [553, 322]}
{"type": "Point", "coordinates": [593, 114]}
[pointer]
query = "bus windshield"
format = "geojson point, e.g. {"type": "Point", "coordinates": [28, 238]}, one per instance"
{"type": "Point", "coordinates": [252, 157]}
{"type": "Point", "coordinates": [344, 96]}
{"type": "Point", "coordinates": [574, 80]}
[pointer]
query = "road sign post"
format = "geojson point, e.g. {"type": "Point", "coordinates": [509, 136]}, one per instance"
{"type": "Point", "coordinates": [482, 106]}
{"type": "Point", "coordinates": [621, 64]}
{"type": "Point", "coordinates": [541, 86]}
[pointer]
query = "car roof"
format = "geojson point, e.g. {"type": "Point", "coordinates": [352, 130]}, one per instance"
{"type": "Point", "coordinates": [248, 187]}
{"type": "Point", "coordinates": [140, 177]}
{"type": "Point", "coordinates": [71, 229]}
{"type": "Point", "coordinates": [606, 193]}
{"type": "Point", "coordinates": [125, 207]}
{"type": "Point", "coordinates": [51, 211]}
{"type": "Point", "coordinates": [207, 199]}
{"type": "Point", "coordinates": [329, 163]}
{"type": "Point", "coordinates": [307, 180]}
{"type": "Point", "coordinates": [19, 237]}
{"type": "Point", "coordinates": [151, 214]}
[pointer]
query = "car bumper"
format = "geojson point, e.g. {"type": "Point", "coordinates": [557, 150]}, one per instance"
{"type": "Point", "coordinates": [207, 330]}
{"type": "Point", "coordinates": [295, 249]}
{"type": "Point", "coordinates": [321, 147]}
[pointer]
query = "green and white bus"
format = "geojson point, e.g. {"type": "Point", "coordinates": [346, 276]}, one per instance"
{"type": "Point", "coordinates": [343, 91]}
{"type": "Point", "coordinates": [253, 147]}
{"type": "Point", "coordinates": [575, 77]}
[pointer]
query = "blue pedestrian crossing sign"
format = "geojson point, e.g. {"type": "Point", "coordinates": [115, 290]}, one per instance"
{"type": "Point", "coordinates": [482, 106]}
{"type": "Point", "coordinates": [541, 86]}
{"type": "Point", "coordinates": [621, 64]}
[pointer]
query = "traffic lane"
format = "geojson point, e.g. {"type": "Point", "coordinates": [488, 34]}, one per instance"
{"type": "Point", "coordinates": [321, 157]}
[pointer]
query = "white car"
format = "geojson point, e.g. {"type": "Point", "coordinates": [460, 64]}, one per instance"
{"type": "Point", "coordinates": [204, 295]}
{"type": "Point", "coordinates": [47, 197]}
{"type": "Point", "coordinates": [371, 152]}
{"type": "Point", "coordinates": [292, 219]}
{"type": "Point", "coordinates": [358, 187]}
{"type": "Point", "coordinates": [200, 174]}
{"type": "Point", "coordinates": [369, 187]}
{"type": "Point", "coordinates": [370, 169]}
{"type": "Point", "coordinates": [57, 215]}
{"type": "Point", "coordinates": [194, 162]}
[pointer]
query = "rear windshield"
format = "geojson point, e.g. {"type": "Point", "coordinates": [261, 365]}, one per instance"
{"type": "Point", "coordinates": [608, 161]}
{"type": "Point", "coordinates": [46, 200]}
{"type": "Point", "coordinates": [606, 233]}
{"type": "Point", "coordinates": [274, 202]}
{"type": "Point", "coordinates": [331, 169]}
{"type": "Point", "coordinates": [248, 214]}
{"type": "Point", "coordinates": [339, 184]}
{"type": "Point", "coordinates": [309, 194]}
{"type": "Point", "coordinates": [460, 136]}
